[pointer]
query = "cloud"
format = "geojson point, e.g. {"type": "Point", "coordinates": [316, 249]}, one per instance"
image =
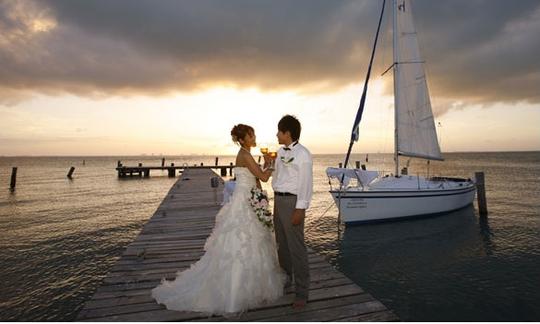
{"type": "Point", "coordinates": [482, 51]}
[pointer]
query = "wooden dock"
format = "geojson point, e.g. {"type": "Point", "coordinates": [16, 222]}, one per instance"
{"type": "Point", "coordinates": [174, 238]}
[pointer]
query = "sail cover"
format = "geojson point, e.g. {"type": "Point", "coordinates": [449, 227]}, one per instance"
{"type": "Point", "coordinates": [416, 132]}
{"type": "Point", "coordinates": [345, 175]}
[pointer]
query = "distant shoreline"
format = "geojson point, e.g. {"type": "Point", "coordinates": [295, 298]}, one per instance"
{"type": "Point", "coordinates": [225, 155]}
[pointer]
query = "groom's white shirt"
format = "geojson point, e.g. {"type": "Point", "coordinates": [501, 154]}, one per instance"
{"type": "Point", "coordinates": [294, 173]}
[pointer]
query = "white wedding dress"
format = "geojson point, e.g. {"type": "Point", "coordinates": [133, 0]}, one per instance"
{"type": "Point", "coordinates": [240, 268]}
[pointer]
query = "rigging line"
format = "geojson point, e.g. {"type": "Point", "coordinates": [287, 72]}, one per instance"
{"type": "Point", "coordinates": [327, 209]}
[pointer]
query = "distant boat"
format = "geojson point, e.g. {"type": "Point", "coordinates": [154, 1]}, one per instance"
{"type": "Point", "coordinates": [377, 197]}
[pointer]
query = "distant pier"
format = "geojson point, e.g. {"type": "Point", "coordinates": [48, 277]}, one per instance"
{"type": "Point", "coordinates": [174, 238]}
{"type": "Point", "coordinates": [172, 170]}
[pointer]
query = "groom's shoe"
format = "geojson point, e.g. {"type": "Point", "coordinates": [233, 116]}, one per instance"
{"type": "Point", "coordinates": [299, 303]}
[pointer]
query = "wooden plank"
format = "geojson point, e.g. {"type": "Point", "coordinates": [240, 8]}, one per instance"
{"type": "Point", "coordinates": [105, 292]}
{"type": "Point", "coordinates": [383, 316]}
{"type": "Point", "coordinates": [330, 314]}
{"type": "Point", "coordinates": [161, 315]}
{"type": "Point", "coordinates": [181, 226]}
{"type": "Point", "coordinates": [285, 309]}
{"type": "Point", "coordinates": [177, 257]}
{"type": "Point", "coordinates": [134, 289]}
{"type": "Point", "coordinates": [163, 244]}
{"type": "Point", "coordinates": [317, 294]}
{"type": "Point", "coordinates": [112, 278]}
{"type": "Point", "coordinates": [143, 295]}
{"type": "Point", "coordinates": [128, 268]}
{"type": "Point", "coordinates": [176, 242]}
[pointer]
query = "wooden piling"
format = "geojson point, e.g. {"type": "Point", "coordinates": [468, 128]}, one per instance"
{"type": "Point", "coordinates": [230, 169]}
{"type": "Point", "coordinates": [217, 160]}
{"type": "Point", "coordinates": [163, 162]}
{"type": "Point", "coordinates": [140, 165]}
{"type": "Point", "coordinates": [340, 165]}
{"type": "Point", "coordinates": [171, 171]}
{"type": "Point", "coordinates": [13, 178]}
{"type": "Point", "coordinates": [358, 164]}
{"type": "Point", "coordinates": [481, 193]}
{"type": "Point", "coordinates": [214, 183]}
{"type": "Point", "coordinates": [70, 173]}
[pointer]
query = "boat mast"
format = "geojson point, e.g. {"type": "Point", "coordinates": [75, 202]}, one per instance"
{"type": "Point", "coordinates": [396, 86]}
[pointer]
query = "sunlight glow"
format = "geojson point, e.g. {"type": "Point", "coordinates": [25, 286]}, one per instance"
{"type": "Point", "coordinates": [42, 25]}
{"type": "Point", "coordinates": [200, 123]}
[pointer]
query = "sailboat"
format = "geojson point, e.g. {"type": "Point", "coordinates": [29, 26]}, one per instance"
{"type": "Point", "coordinates": [375, 197]}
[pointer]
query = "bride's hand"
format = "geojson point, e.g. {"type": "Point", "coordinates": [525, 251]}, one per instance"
{"type": "Point", "coordinates": [267, 160]}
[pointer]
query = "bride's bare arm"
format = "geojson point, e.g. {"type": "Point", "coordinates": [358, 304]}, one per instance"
{"type": "Point", "coordinates": [254, 168]}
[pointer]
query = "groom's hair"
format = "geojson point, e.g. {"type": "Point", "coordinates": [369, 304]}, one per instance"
{"type": "Point", "coordinates": [291, 124]}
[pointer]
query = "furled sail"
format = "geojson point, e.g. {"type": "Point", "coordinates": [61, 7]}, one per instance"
{"type": "Point", "coordinates": [416, 133]}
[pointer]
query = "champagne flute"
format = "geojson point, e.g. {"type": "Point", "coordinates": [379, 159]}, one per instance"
{"type": "Point", "coordinates": [264, 148]}
{"type": "Point", "coordinates": [272, 151]}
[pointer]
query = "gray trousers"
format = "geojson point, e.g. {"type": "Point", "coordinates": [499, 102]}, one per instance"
{"type": "Point", "coordinates": [292, 251]}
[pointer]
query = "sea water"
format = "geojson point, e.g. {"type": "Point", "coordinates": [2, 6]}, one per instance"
{"type": "Point", "coordinates": [59, 237]}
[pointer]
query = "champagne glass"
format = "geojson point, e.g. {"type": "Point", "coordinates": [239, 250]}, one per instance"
{"type": "Point", "coordinates": [264, 148]}
{"type": "Point", "coordinates": [272, 151]}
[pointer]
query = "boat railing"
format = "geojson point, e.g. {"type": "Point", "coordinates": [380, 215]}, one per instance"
{"type": "Point", "coordinates": [354, 182]}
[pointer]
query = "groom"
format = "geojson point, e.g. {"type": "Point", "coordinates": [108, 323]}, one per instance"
{"type": "Point", "coordinates": [293, 187]}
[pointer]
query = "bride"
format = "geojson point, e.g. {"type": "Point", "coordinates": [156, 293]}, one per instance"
{"type": "Point", "coordinates": [239, 269]}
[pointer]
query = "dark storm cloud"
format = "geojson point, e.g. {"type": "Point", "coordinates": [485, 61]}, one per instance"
{"type": "Point", "coordinates": [476, 50]}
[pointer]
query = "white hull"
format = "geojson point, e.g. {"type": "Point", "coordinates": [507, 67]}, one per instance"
{"type": "Point", "coordinates": [361, 206]}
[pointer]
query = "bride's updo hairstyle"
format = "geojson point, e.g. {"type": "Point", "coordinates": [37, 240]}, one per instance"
{"type": "Point", "coordinates": [240, 131]}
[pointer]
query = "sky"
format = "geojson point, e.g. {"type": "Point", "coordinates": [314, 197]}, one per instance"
{"type": "Point", "coordinates": [130, 77]}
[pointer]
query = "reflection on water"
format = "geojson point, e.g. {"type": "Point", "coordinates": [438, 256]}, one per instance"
{"type": "Point", "coordinates": [486, 234]}
{"type": "Point", "coordinates": [438, 269]}
{"type": "Point", "coordinates": [406, 247]}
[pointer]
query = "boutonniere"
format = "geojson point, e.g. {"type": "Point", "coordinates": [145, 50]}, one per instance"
{"type": "Point", "coordinates": [286, 160]}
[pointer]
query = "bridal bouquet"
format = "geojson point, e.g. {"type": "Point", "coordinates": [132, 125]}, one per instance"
{"type": "Point", "coordinates": [259, 203]}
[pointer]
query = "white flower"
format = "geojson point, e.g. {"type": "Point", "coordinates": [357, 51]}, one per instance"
{"type": "Point", "coordinates": [259, 203]}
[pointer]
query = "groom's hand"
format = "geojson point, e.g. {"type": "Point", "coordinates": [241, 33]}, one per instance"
{"type": "Point", "coordinates": [298, 216]}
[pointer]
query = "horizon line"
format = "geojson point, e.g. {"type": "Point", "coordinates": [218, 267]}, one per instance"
{"type": "Point", "coordinates": [217, 155]}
